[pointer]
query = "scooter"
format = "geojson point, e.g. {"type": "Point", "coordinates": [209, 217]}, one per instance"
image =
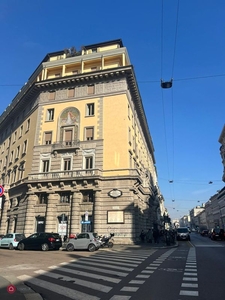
{"type": "Point", "coordinates": [106, 241]}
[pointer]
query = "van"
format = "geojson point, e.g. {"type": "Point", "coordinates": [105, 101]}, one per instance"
{"type": "Point", "coordinates": [183, 234]}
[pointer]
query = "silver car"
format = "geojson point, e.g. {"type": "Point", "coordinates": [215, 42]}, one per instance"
{"type": "Point", "coordinates": [11, 240]}
{"type": "Point", "coordinates": [84, 241]}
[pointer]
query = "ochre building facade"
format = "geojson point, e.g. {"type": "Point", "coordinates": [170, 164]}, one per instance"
{"type": "Point", "coordinates": [76, 153]}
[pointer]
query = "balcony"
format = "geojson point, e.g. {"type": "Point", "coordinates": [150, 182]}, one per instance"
{"type": "Point", "coordinates": [65, 145]}
{"type": "Point", "coordinates": [64, 174]}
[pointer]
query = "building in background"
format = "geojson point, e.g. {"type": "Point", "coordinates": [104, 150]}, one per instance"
{"type": "Point", "coordinates": [76, 153]}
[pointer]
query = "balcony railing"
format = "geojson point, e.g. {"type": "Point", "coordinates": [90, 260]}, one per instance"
{"type": "Point", "coordinates": [60, 145]}
{"type": "Point", "coordinates": [64, 174]}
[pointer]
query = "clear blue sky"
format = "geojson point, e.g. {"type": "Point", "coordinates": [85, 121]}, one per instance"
{"type": "Point", "coordinates": [186, 121]}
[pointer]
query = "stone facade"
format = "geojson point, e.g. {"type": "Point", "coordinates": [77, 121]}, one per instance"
{"type": "Point", "coordinates": [88, 157]}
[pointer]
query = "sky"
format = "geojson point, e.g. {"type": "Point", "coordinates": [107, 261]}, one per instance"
{"type": "Point", "coordinates": [166, 39]}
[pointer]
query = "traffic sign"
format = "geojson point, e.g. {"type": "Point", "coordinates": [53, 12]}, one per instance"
{"type": "Point", "coordinates": [1, 190]}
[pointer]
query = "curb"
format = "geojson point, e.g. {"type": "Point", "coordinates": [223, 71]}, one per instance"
{"type": "Point", "coordinates": [22, 288]}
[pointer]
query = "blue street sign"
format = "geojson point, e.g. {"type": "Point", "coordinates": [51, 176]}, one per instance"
{"type": "Point", "coordinates": [85, 222]}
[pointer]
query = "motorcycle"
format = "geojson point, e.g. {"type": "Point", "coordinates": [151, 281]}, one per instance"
{"type": "Point", "coordinates": [106, 241]}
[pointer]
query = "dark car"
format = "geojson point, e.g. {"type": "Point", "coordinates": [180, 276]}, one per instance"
{"type": "Point", "coordinates": [41, 241]}
{"type": "Point", "coordinates": [205, 232]}
{"type": "Point", "coordinates": [183, 234]}
{"type": "Point", "coordinates": [217, 234]}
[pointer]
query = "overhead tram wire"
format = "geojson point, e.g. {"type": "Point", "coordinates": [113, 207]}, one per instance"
{"type": "Point", "coordinates": [164, 118]}
{"type": "Point", "coordinates": [168, 84]}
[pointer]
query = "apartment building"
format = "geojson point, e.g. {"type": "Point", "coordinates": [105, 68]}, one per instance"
{"type": "Point", "coordinates": [76, 153]}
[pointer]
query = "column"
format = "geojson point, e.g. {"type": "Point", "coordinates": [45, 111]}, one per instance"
{"type": "Point", "coordinates": [97, 213]}
{"type": "Point", "coordinates": [29, 226]}
{"type": "Point", "coordinates": [51, 221]}
{"type": "Point", "coordinates": [75, 218]}
{"type": "Point", "coordinates": [4, 223]}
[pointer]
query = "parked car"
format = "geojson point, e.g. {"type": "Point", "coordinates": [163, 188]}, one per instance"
{"type": "Point", "coordinates": [41, 241]}
{"type": "Point", "coordinates": [183, 234]}
{"type": "Point", "coordinates": [11, 240]}
{"type": "Point", "coordinates": [205, 232]}
{"type": "Point", "coordinates": [84, 241]}
{"type": "Point", "coordinates": [1, 236]}
{"type": "Point", "coordinates": [217, 234]}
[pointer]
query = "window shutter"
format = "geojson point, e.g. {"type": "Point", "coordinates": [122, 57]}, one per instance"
{"type": "Point", "coordinates": [68, 135]}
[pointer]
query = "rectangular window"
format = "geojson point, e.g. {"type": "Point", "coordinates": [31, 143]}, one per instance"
{"type": "Point", "coordinates": [43, 198]}
{"type": "Point", "coordinates": [89, 133]}
{"type": "Point", "coordinates": [50, 114]}
{"type": "Point", "coordinates": [90, 109]}
{"type": "Point", "coordinates": [21, 170]}
{"type": "Point", "coordinates": [17, 153]}
{"type": "Point", "coordinates": [57, 75]}
{"type": "Point", "coordinates": [24, 147]}
{"type": "Point", "coordinates": [88, 196]}
{"type": "Point", "coordinates": [28, 125]}
{"type": "Point", "coordinates": [21, 130]}
{"type": "Point", "coordinates": [71, 93]}
{"type": "Point", "coordinates": [51, 95]}
{"type": "Point", "coordinates": [48, 138]}
{"type": "Point", "coordinates": [68, 136]}
{"type": "Point", "coordinates": [45, 166]}
{"type": "Point", "coordinates": [88, 162]}
{"type": "Point", "coordinates": [65, 197]}
{"type": "Point", "coordinates": [67, 164]}
{"type": "Point", "coordinates": [11, 157]}
{"type": "Point", "coordinates": [91, 89]}
{"type": "Point", "coordinates": [74, 72]}
{"type": "Point", "coordinates": [94, 69]}
{"type": "Point", "coordinates": [15, 136]}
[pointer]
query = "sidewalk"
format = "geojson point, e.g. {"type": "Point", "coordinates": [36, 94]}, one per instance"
{"type": "Point", "coordinates": [17, 290]}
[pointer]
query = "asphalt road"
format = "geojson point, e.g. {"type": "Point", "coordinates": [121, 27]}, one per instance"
{"type": "Point", "coordinates": [193, 270]}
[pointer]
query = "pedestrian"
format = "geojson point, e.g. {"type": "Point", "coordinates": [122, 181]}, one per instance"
{"type": "Point", "coordinates": [149, 236]}
{"type": "Point", "coordinates": [156, 235]}
{"type": "Point", "coordinates": [142, 236]}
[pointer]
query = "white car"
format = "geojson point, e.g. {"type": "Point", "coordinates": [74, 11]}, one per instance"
{"type": "Point", "coordinates": [84, 241]}
{"type": "Point", "coordinates": [11, 240]}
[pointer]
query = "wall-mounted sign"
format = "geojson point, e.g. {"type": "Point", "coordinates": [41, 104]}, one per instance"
{"type": "Point", "coordinates": [115, 217]}
{"type": "Point", "coordinates": [115, 193]}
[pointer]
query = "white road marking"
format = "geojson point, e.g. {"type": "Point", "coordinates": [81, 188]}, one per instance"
{"type": "Point", "coordinates": [147, 271]}
{"type": "Point", "coordinates": [189, 285]}
{"type": "Point", "coordinates": [188, 293]}
{"type": "Point", "coordinates": [129, 289]}
{"type": "Point", "coordinates": [85, 283]}
{"type": "Point", "coordinates": [142, 276]}
{"type": "Point", "coordinates": [88, 274]}
{"type": "Point", "coordinates": [70, 293]}
{"type": "Point", "coordinates": [190, 279]}
{"type": "Point", "coordinates": [137, 281]}
{"type": "Point", "coordinates": [108, 266]}
{"type": "Point", "coordinates": [118, 297]}
{"type": "Point", "coordinates": [100, 270]}
{"type": "Point", "coordinates": [112, 260]}
{"type": "Point", "coordinates": [190, 274]}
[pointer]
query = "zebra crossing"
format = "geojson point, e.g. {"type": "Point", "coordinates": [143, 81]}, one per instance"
{"type": "Point", "coordinates": [91, 278]}
{"type": "Point", "coordinates": [189, 286]}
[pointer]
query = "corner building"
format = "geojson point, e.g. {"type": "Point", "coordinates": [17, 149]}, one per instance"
{"type": "Point", "coordinates": [76, 152]}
